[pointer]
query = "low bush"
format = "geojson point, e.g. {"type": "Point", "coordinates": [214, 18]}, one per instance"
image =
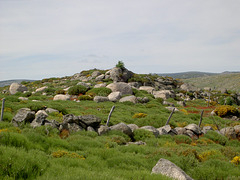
{"type": "Point", "coordinates": [85, 98]}
{"type": "Point", "coordinates": [142, 134]}
{"type": "Point", "coordinates": [217, 138]}
{"type": "Point", "coordinates": [76, 90]}
{"type": "Point", "coordinates": [60, 91]}
{"type": "Point", "coordinates": [19, 164]}
{"type": "Point", "coordinates": [102, 91]}
{"type": "Point", "coordinates": [139, 115]}
{"type": "Point", "coordinates": [226, 110]}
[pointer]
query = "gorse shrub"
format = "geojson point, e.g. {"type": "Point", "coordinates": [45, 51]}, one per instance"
{"type": "Point", "coordinates": [76, 90]}
{"type": "Point", "coordinates": [142, 134]}
{"type": "Point", "coordinates": [226, 110]}
{"type": "Point", "coordinates": [102, 91]}
{"type": "Point", "coordinates": [62, 153]}
{"type": "Point", "coordinates": [139, 115]}
{"type": "Point", "coordinates": [85, 98]}
{"type": "Point", "coordinates": [236, 160]}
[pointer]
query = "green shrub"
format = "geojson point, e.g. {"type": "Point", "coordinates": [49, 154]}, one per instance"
{"type": "Point", "coordinates": [116, 133]}
{"type": "Point", "coordinates": [13, 139]}
{"type": "Point", "coordinates": [36, 107]}
{"type": "Point", "coordinates": [120, 65]}
{"type": "Point", "coordinates": [85, 98]}
{"type": "Point", "coordinates": [7, 116]}
{"type": "Point", "coordinates": [76, 90]}
{"type": "Point", "coordinates": [50, 91]}
{"type": "Point", "coordinates": [27, 94]}
{"type": "Point", "coordinates": [217, 138]}
{"type": "Point", "coordinates": [226, 110]}
{"type": "Point", "coordinates": [102, 91]}
{"type": "Point", "coordinates": [19, 164]}
{"type": "Point", "coordinates": [12, 99]}
{"type": "Point", "coordinates": [60, 91]}
{"type": "Point", "coordinates": [142, 134]}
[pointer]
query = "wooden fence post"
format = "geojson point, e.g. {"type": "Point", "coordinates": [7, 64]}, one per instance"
{"type": "Point", "coordinates": [2, 111]}
{"type": "Point", "coordinates": [109, 116]}
{"type": "Point", "coordinates": [170, 116]}
{"type": "Point", "coordinates": [200, 122]}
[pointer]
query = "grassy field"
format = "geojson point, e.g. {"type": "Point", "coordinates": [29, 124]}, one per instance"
{"type": "Point", "coordinates": [42, 153]}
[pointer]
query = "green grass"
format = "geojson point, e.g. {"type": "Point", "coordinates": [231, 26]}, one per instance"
{"type": "Point", "coordinates": [27, 153]}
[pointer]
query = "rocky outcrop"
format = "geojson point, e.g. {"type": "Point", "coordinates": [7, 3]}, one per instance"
{"type": "Point", "coordinates": [40, 118]}
{"type": "Point", "coordinates": [229, 132]}
{"type": "Point", "coordinates": [16, 87]}
{"type": "Point", "coordinates": [164, 94]}
{"type": "Point", "coordinates": [23, 116]}
{"type": "Point", "coordinates": [151, 129]}
{"type": "Point", "coordinates": [167, 168]}
{"type": "Point", "coordinates": [120, 75]}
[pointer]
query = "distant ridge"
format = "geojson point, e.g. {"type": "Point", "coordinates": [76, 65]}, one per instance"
{"type": "Point", "coordinates": [187, 75]}
{"type": "Point", "coordinates": [9, 82]}
{"type": "Point", "coordinates": [194, 74]}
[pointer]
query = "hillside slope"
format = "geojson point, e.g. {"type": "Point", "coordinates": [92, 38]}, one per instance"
{"type": "Point", "coordinates": [187, 75]}
{"type": "Point", "coordinates": [229, 81]}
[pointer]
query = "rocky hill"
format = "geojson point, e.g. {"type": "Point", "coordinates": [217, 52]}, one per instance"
{"type": "Point", "coordinates": [230, 81]}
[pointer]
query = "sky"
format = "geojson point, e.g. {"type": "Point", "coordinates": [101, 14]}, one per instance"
{"type": "Point", "coordinates": [56, 38]}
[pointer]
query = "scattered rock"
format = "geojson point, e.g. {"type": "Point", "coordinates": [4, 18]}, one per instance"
{"type": "Point", "coordinates": [180, 130]}
{"type": "Point", "coordinates": [61, 97]}
{"type": "Point", "coordinates": [114, 96]}
{"type": "Point", "coordinates": [123, 128]}
{"type": "Point", "coordinates": [103, 130]}
{"type": "Point", "coordinates": [100, 99]}
{"type": "Point", "coordinates": [169, 169]}
{"type": "Point", "coordinates": [16, 87]}
{"type": "Point", "coordinates": [23, 98]}
{"type": "Point", "coordinates": [229, 132]}
{"type": "Point", "coordinates": [51, 110]}
{"type": "Point", "coordinates": [194, 128]}
{"type": "Point", "coordinates": [132, 99]}
{"type": "Point", "coordinates": [23, 116]}
{"type": "Point", "coordinates": [41, 89]}
{"type": "Point", "coordinates": [137, 143]}
{"type": "Point", "coordinates": [149, 89]}
{"type": "Point", "coordinates": [164, 94]}
{"type": "Point", "coordinates": [206, 129]}
{"type": "Point", "coordinates": [100, 85]}
{"type": "Point", "coordinates": [133, 127]}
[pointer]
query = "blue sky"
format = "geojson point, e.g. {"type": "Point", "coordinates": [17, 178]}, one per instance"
{"type": "Point", "coordinates": [56, 38]}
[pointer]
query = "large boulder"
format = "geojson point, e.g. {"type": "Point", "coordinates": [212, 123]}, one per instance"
{"type": "Point", "coordinates": [61, 97]}
{"type": "Point", "coordinates": [122, 87]}
{"type": "Point", "coordinates": [132, 99]}
{"type": "Point", "coordinates": [40, 117]}
{"type": "Point", "coordinates": [149, 89]}
{"type": "Point", "coordinates": [164, 94]}
{"type": "Point", "coordinates": [133, 127]}
{"type": "Point", "coordinates": [123, 128]}
{"type": "Point", "coordinates": [23, 115]}
{"type": "Point", "coordinates": [229, 132]}
{"type": "Point", "coordinates": [41, 89]}
{"type": "Point", "coordinates": [16, 87]}
{"type": "Point", "coordinates": [89, 120]}
{"type": "Point", "coordinates": [120, 75]}
{"type": "Point", "coordinates": [167, 168]}
{"type": "Point", "coordinates": [100, 99]}
{"type": "Point", "coordinates": [114, 96]}
{"type": "Point", "coordinates": [103, 130]}
{"type": "Point", "coordinates": [194, 128]}
{"type": "Point", "coordinates": [206, 129]}
{"type": "Point", "coordinates": [95, 74]}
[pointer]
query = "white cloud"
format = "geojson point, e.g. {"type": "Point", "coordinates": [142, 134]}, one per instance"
{"type": "Point", "coordinates": [149, 36]}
